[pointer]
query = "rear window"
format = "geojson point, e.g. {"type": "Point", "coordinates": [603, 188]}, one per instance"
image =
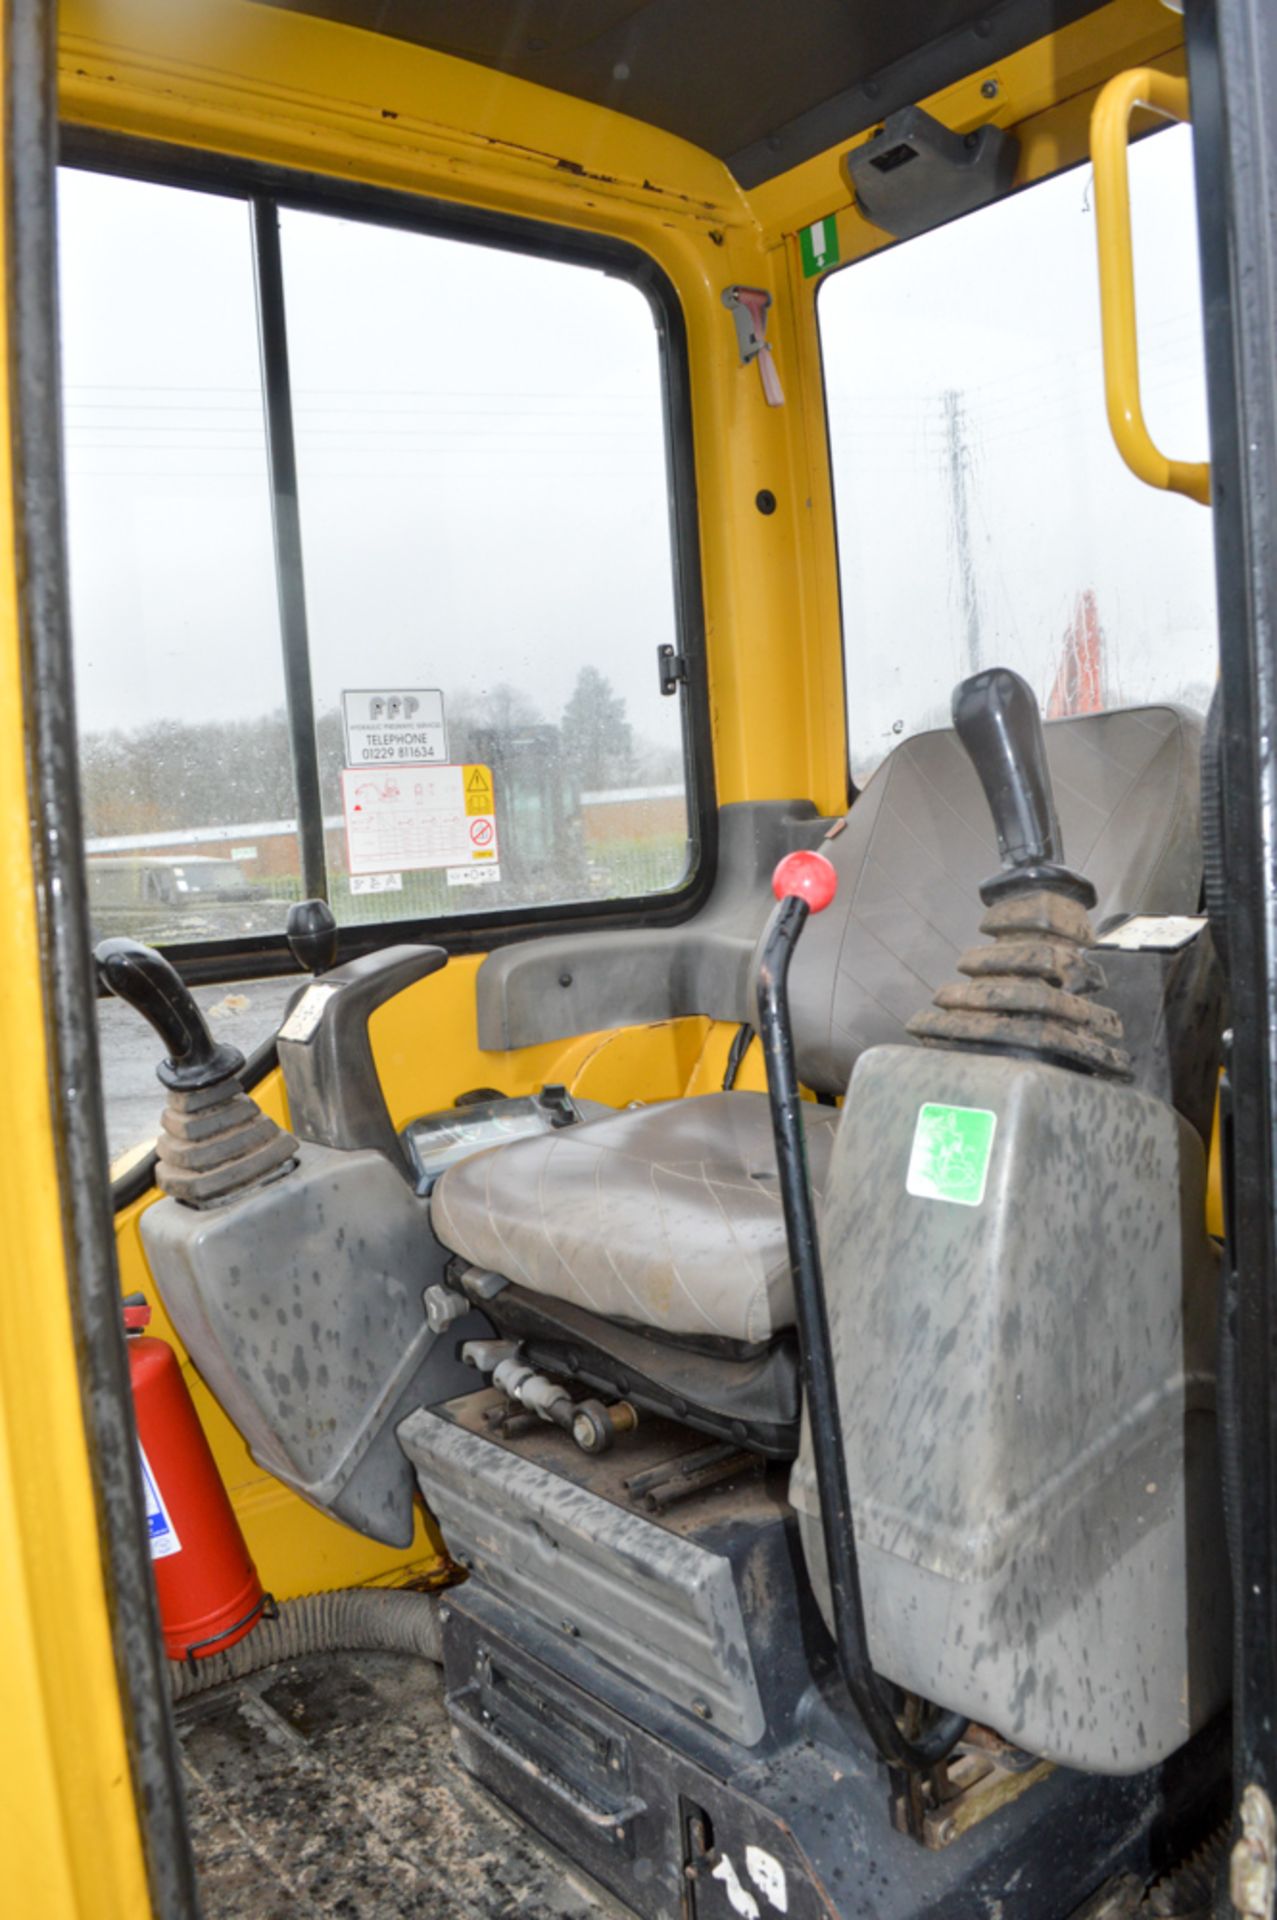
{"type": "Point", "coordinates": [984, 516]}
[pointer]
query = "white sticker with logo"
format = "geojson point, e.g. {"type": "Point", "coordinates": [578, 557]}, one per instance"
{"type": "Point", "coordinates": [741, 1899]}
{"type": "Point", "coordinates": [393, 726]}
{"type": "Point", "coordinates": [159, 1527]}
{"type": "Point", "coordinates": [768, 1876]}
{"type": "Point", "coordinates": [308, 1013]}
{"type": "Point", "coordinates": [1153, 932]}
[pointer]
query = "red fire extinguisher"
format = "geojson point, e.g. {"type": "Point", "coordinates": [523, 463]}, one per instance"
{"type": "Point", "coordinates": [209, 1592]}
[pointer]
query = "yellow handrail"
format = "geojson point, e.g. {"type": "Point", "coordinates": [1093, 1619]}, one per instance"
{"type": "Point", "coordinates": [1110, 121]}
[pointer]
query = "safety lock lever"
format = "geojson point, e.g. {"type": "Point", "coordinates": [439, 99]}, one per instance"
{"type": "Point", "coordinates": [805, 883]}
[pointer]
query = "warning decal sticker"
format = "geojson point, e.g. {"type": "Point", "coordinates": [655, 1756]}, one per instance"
{"type": "Point", "coordinates": [160, 1529]}
{"type": "Point", "coordinates": [478, 790]}
{"type": "Point", "coordinates": [408, 819]}
{"type": "Point", "coordinates": [952, 1147]}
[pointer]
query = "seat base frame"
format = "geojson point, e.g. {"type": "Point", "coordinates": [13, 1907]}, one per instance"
{"type": "Point", "coordinates": [751, 1395]}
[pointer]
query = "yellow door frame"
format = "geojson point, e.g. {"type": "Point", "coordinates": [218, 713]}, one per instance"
{"type": "Point", "coordinates": [71, 1768]}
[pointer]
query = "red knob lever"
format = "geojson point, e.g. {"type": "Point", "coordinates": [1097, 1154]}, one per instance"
{"type": "Point", "coordinates": [809, 876]}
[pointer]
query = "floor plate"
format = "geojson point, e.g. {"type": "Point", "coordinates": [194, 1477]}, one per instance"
{"type": "Point", "coordinates": [327, 1787]}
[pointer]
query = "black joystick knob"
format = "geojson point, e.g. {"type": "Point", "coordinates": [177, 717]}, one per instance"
{"type": "Point", "coordinates": [153, 986]}
{"type": "Point", "coordinates": [312, 935]}
{"type": "Point", "coordinates": [997, 720]}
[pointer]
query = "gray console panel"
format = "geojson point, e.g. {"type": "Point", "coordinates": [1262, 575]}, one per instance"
{"type": "Point", "coordinates": [301, 1305]}
{"type": "Point", "coordinates": [583, 983]}
{"type": "Point", "coordinates": [1026, 1381]}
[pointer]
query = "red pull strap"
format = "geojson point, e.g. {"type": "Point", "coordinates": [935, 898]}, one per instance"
{"type": "Point", "coordinates": [748, 307]}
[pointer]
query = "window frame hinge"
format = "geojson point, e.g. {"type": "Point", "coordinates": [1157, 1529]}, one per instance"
{"type": "Point", "coordinates": [671, 665]}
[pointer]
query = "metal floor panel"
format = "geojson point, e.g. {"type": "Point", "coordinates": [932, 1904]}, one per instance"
{"type": "Point", "coordinates": [326, 1787]}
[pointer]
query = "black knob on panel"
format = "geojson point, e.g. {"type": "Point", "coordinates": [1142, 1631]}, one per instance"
{"type": "Point", "coordinates": [152, 986]}
{"type": "Point", "coordinates": [997, 721]}
{"type": "Point", "coordinates": [312, 935]}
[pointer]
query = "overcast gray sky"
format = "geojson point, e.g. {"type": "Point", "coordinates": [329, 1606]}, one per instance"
{"type": "Point", "coordinates": [482, 471]}
{"type": "Point", "coordinates": [481, 458]}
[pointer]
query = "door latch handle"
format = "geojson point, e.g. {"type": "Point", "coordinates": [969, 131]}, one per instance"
{"type": "Point", "coordinates": [672, 667]}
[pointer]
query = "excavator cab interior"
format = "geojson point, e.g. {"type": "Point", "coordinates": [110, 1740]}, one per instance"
{"type": "Point", "coordinates": [719, 1314]}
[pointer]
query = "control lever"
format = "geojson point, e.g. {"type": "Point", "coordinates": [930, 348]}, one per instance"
{"type": "Point", "coordinates": [214, 1140]}
{"type": "Point", "coordinates": [312, 935]}
{"type": "Point", "coordinates": [153, 987]}
{"type": "Point", "coordinates": [806, 883]}
{"type": "Point", "coordinates": [997, 720]}
{"type": "Point", "coordinates": [1032, 990]}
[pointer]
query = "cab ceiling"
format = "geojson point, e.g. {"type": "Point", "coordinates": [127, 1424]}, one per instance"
{"type": "Point", "coordinates": [762, 84]}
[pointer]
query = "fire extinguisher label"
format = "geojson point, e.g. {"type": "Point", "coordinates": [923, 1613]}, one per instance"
{"type": "Point", "coordinates": [162, 1532]}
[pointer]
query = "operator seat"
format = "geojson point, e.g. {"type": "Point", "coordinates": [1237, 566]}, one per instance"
{"type": "Point", "coordinates": [668, 1217]}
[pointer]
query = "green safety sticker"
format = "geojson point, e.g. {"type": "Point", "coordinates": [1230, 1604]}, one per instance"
{"type": "Point", "coordinates": [819, 244]}
{"type": "Point", "coordinates": [952, 1147]}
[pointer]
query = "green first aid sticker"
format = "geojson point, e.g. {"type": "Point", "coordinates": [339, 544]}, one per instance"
{"type": "Point", "coordinates": [819, 245]}
{"type": "Point", "coordinates": [952, 1147]}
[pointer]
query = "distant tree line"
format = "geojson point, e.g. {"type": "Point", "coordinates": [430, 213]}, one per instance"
{"type": "Point", "coordinates": [172, 773]}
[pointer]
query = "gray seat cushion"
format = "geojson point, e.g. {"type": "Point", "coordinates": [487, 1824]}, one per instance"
{"type": "Point", "coordinates": [665, 1216]}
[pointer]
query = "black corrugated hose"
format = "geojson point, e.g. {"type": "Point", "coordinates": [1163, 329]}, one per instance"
{"type": "Point", "coordinates": [351, 1620]}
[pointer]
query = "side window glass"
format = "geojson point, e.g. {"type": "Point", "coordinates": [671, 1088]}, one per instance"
{"type": "Point", "coordinates": [984, 516]}
{"type": "Point", "coordinates": [179, 675]}
{"type": "Point", "coordinates": [485, 530]}
{"type": "Point", "coordinates": [184, 761]}
{"type": "Point", "coordinates": [487, 570]}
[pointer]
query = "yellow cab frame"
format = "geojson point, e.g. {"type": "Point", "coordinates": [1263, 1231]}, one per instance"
{"type": "Point", "coordinates": [92, 1821]}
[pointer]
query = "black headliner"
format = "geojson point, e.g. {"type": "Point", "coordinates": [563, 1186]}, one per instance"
{"type": "Point", "coordinates": [763, 84]}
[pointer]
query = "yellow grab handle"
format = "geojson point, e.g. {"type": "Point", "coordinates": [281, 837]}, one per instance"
{"type": "Point", "coordinates": [1110, 122]}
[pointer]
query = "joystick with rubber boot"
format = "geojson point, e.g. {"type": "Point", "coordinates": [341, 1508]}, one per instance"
{"type": "Point", "coordinates": [1030, 992]}
{"type": "Point", "coordinates": [214, 1140]}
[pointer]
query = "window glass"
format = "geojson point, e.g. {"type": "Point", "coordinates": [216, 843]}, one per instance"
{"type": "Point", "coordinates": [184, 763]}
{"type": "Point", "coordinates": [488, 574]}
{"type": "Point", "coordinates": [485, 530]}
{"type": "Point", "coordinates": [984, 515]}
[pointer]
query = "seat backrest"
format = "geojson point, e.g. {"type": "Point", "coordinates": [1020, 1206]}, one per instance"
{"type": "Point", "coordinates": [919, 840]}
